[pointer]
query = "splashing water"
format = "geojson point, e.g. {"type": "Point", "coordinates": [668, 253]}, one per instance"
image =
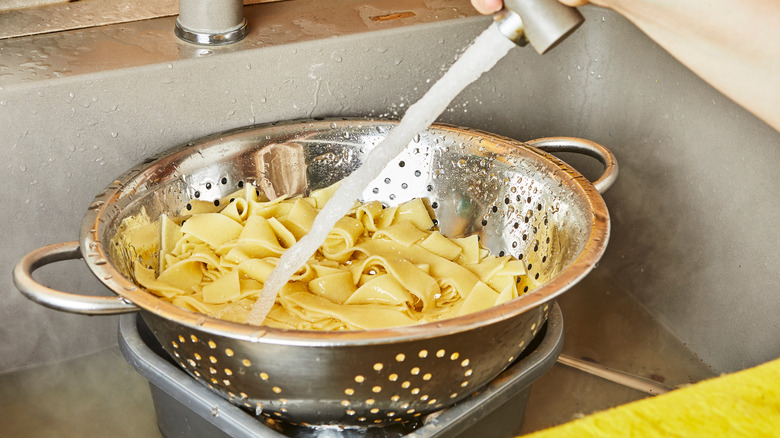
{"type": "Point", "coordinates": [487, 49]}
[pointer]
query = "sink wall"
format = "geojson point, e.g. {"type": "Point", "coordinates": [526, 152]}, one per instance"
{"type": "Point", "coordinates": [694, 211]}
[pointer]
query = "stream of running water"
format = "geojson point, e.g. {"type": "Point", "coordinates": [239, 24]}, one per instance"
{"type": "Point", "coordinates": [486, 50]}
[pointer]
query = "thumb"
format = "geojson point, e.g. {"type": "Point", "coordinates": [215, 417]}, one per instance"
{"type": "Point", "coordinates": [487, 6]}
{"type": "Point", "coordinates": [574, 3]}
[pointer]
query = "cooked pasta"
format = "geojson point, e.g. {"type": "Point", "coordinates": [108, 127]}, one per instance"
{"type": "Point", "coordinates": [379, 267]}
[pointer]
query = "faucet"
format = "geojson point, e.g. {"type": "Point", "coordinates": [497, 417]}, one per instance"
{"type": "Point", "coordinates": [543, 23]}
{"type": "Point", "coordinates": [211, 22]}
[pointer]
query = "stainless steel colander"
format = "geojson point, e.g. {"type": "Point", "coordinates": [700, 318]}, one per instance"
{"type": "Point", "coordinates": [519, 199]}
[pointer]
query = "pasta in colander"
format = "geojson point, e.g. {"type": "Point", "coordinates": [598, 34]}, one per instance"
{"type": "Point", "coordinates": [379, 267]}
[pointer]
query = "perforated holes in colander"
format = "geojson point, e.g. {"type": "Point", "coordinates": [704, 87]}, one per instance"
{"type": "Point", "coordinates": [212, 189]}
{"type": "Point", "coordinates": [402, 384]}
{"type": "Point", "coordinates": [404, 178]}
{"type": "Point", "coordinates": [217, 367]}
{"type": "Point", "coordinates": [523, 218]}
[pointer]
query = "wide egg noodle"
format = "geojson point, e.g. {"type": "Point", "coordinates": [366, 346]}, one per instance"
{"type": "Point", "coordinates": [382, 289]}
{"type": "Point", "coordinates": [338, 286]}
{"type": "Point", "coordinates": [258, 239]}
{"type": "Point", "coordinates": [445, 270]}
{"type": "Point", "coordinates": [237, 209]}
{"type": "Point", "coordinates": [414, 279]}
{"type": "Point", "coordinates": [441, 246]}
{"type": "Point", "coordinates": [369, 214]}
{"type": "Point", "coordinates": [355, 317]}
{"type": "Point", "coordinates": [322, 196]}
{"type": "Point", "coordinates": [416, 213]}
{"type": "Point", "coordinates": [170, 234]}
{"type": "Point", "coordinates": [223, 289]}
{"type": "Point", "coordinates": [340, 241]}
{"type": "Point", "coordinates": [286, 238]}
{"type": "Point", "coordinates": [146, 278]}
{"type": "Point", "coordinates": [480, 297]}
{"type": "Point", "coordinates": [300, 217]}
{"type": "Point", "coordinates": [214, 229]}
{"type": "Point", "coordinates": [185, 274]}
{"type": "Point", "coordinates": [404, 233]}
{"type": "Point", "coordinates": [379, 267]}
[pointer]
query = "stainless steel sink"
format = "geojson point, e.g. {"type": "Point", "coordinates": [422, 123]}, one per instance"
{"type": "Point", "coordinates": [688, 285]}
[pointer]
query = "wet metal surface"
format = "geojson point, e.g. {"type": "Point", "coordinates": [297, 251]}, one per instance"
{"type": "Point", "coordinates": [59, 15]}
{"type": "Point", "coordinates": [122, 45]}
{"type": "Point", "coordinates": [694, 212]}
{"type": "Point", "coordinates": [606, 326]}
{"type": "Point", "coordinates": [101, 395]}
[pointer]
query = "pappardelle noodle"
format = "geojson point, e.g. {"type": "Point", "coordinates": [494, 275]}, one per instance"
{"type": "Point", "coordinates": [379, 267]}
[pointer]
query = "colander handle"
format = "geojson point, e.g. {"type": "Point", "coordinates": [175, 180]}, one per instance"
{"type": "Point", "coordinates": [585, 147]}
{"type": "Point", "coordinates": [73, 303]}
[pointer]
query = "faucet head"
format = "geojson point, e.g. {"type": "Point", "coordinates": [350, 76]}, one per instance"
{"type": "Point", "coordinates": [543, 23]}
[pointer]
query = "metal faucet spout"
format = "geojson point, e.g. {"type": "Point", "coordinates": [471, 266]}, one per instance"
{"type": "Point", "coordinates": [211, 22]}
{"type": "Point", "coordinates": [543, 23]}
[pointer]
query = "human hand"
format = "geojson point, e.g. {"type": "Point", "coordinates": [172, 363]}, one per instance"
{"type": "Point", "coordinates": [487, 7]}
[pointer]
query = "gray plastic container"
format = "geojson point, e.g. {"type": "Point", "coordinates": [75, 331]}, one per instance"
{"type": "Point", "coordinates": [186, 408]}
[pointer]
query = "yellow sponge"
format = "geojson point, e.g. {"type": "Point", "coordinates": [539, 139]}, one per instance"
{"type": "Point", "coordinates": [742, 404]}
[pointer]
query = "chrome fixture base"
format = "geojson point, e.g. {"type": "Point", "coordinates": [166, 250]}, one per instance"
{"type": "Point", "coordinates": [211, 39]}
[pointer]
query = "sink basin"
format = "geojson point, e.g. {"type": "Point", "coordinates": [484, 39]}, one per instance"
{"type": "Point", "coordinates": [685, 290]}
